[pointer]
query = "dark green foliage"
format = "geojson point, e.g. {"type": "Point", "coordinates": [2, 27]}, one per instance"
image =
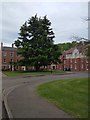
{"type": "Point", "coordinates": [66, 46]}
{"type": "Point", "coordinates": [35, 43]}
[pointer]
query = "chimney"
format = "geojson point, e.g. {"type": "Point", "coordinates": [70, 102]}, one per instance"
{"type": "Point", "coordinates": [1, 44]}
{"type": "Point", "coordinates": [12, 45]}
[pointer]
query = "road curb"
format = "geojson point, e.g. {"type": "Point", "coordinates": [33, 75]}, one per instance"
{"type": "Point", "coordinates": [24, 76]}
{"type": "Point", "coordinates": [10, 116]}
{"type": "Point", "coordinates": [5, 96]}
{"type": "Point", "coordinates": [9, 90]}
{"type": "Point", "coordinates": [4, 112]}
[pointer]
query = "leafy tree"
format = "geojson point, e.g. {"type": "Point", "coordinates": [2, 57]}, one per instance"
{"type": "Point", "coordinates": [66, 46]}
{"type": "Point", "coordinates": [35, 43]}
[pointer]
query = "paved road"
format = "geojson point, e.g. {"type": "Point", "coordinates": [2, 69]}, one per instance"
{"type": "Point", "coordinates": [25, 103]}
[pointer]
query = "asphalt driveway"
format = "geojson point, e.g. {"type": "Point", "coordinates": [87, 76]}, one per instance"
{"type": "Point", "coordinates": [23, 102]}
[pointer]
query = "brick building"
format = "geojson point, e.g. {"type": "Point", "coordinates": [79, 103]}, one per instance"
{"type": "Point", "coordinates": [9, 55]}
{"type": "Point", "coordinates": [75, 59]}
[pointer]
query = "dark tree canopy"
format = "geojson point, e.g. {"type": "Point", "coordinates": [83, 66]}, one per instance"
{"type": "Point", "coordinates": [35, 43]}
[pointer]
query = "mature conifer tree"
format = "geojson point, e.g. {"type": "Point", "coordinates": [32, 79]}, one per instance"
{"type": "Point", "coordinates": [35, 43]}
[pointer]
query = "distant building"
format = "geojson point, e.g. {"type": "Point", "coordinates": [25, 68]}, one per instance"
{"type": "Point", "coordinates": [75, 59]}
{"type": "Point", "coordinates": [9, 55]}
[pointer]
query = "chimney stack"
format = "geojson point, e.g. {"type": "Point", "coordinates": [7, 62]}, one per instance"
{"type": "Point", "coordinates": [12, 45]}
{"type": "Point", "coordinates": [1, 44]}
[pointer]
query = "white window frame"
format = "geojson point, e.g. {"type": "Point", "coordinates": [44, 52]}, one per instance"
{"type": "Point", "coordinates": [75, 67]}
{"type": "Point", "coordinates": [86, 60]}
{"type": "Point", "coordinates": [71, 66]}
{"type": "Point", "coordinates": [87, 66]}
{"type": "Point", "coordinates": [4, 54]}
{"type": "Point", "coordinates": [82, 66]}
{"type": "Point", "coordinates": [75, 61]}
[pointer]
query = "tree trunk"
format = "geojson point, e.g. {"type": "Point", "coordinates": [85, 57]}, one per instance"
{"type": "Point", "coordinates": [26, 68]}
{"type": "Point", "coordinates": [37, 68]}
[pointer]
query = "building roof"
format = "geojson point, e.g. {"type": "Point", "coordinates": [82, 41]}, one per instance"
{"type": "Point", "coordinates": [8, 48]}
{"type": "Point", "coordinates": [79, 47]}
{"type": "Point", "coordinates": [69, 51]}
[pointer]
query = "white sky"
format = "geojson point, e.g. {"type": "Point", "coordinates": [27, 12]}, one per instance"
{"type": "Point", "coordinates": [66, 18]}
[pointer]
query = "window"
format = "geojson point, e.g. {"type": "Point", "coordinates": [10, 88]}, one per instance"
{"type": "Point", "coordinates": [86, 60]}
{"type": "Point", "coordinates": [11, 60]}
{"type": "Point", "coordinates": [71, 66]}
{"type": "Point", "coordinates": [75, 61]}
{"type": "Point", "coordinates": [11, 54]}
{"type": "Point", "coordinates": [4, 54]}
{"type": "Point", "coordinates": [75, 54]}
{"type": "Point", "coordinates": [4, 60]}
{"type": "Point", "coordinates": [71, 60]}
{"type": "Point", "coordinates": [75, 67]}
{"type": "Point", "coordinates": [82, 66]}
{"type": "Point", "coordinates": [86, 66]}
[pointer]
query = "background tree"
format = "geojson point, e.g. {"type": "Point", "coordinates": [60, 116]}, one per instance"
{"type": "Point", "coordinates": [35, 43]}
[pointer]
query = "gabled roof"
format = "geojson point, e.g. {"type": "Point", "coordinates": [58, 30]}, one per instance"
{"type": "Point", "coordinates": [79, 47]}
{"type": "Point", "coordinates": [69, 51]}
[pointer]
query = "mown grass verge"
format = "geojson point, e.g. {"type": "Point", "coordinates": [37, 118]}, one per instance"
{"type": "Point", "coordinates": [25, 73]}
{"type": "Point", "coordinates": [68, 95]}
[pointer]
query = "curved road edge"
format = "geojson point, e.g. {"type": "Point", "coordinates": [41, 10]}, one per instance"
{"type": "Point", "coordinates": [5, 102]}
{"type": "Point", "coordinates": [5, 94]}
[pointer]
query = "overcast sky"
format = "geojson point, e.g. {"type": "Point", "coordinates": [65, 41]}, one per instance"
{"type": "Point", "coordinates": [66, 18]}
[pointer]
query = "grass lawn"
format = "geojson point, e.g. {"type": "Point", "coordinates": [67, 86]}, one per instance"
{"type": "Point", "coordinates": [68, 95]}
{"type": "Point", "coordinates": [20, 73]}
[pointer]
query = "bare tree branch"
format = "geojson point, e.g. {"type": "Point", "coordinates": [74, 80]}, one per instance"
{"type": "Point", "coordinates": [77, 38]}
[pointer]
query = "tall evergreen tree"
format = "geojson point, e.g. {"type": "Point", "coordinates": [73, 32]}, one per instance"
{"type": "Point", "coordinates": [35, 43]}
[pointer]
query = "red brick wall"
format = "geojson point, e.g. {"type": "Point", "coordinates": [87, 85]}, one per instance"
{"type": "Point", "coordinates": [8, 57]}
{"type": "Point", "coordinates": [77, 64]}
